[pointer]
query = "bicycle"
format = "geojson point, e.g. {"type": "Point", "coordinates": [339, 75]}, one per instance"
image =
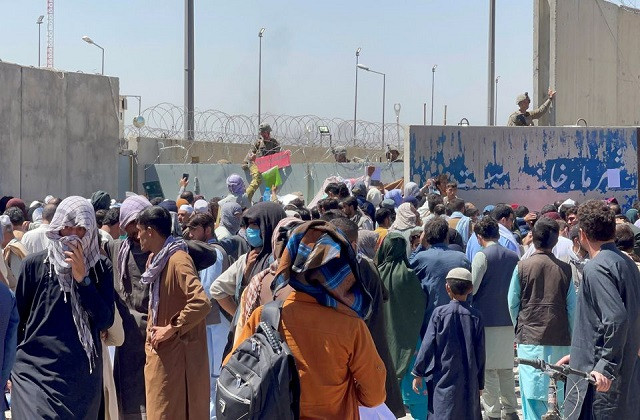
{"type": "Point", "coordinates": [555, 373]}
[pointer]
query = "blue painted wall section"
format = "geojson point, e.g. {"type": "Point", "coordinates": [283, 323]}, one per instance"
{"type": "Point", "coordinates": [559, 159]}
{"type": "Point", "coordinates": [587, 173]}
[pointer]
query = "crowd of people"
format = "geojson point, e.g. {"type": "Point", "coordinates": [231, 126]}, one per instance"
{"type": "Point", "coordinates": [390, 301]}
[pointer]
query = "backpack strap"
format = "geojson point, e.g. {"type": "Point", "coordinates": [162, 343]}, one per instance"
{"type": "Point", "coordinates": [271, 314]}
{"type": "Point", "coordinates": [269, 322]}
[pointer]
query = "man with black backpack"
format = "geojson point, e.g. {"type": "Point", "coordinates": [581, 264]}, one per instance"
{"type": "Point", "coordinates": [337, 367]}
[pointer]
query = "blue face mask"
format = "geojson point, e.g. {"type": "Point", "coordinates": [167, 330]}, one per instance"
{"type": "Point", "coordinates": [254, 238]}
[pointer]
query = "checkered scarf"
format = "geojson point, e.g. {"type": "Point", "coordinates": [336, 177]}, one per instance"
{"type": "Point", "coordinates": [251, 296]}
{"type": "Point", "coordinates": [75, 211]}
{"type": "Point", "coordinates": [319, 261]}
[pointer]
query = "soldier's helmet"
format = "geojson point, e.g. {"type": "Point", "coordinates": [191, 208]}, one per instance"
{"type": "Point", "coordinates": [264, 127]}
{"type": "Point", "coordinates": [522, 97]}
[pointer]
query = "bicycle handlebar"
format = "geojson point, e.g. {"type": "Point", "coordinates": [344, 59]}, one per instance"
{"type": "Point", "coordinates": [563, 370]}
{"type": "Point", "coordinates": [536, 363]}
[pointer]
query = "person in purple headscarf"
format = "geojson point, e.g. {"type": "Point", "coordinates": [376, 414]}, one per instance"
{"type": "Point", "coordinates": [238, 192]}
{"type": "Point", "coordinates": [395, 195]}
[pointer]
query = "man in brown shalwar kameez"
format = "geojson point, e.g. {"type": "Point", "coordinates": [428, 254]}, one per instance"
{"type": "Point", "coordinates": [177, 370]}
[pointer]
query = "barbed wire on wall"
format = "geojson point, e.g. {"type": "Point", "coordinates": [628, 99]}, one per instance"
{"type": "Point", "coordinates": [166, 120]}
{"type": "Point", "coordinates": [630, 6]}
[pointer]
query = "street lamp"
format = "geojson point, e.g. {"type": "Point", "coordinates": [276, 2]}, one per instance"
{"type": "Point", "coordinates": [384, 91]}
{"type": "Point", "coordinates": [260, 75]}
{"type": "Point", "coordinates": [495, 105]}
{"type": "Point", "coordinates": [433, 79]}
{"type": "Point", "coordinates": [355, 106]}
{"type": "Point", "coordinates": [39, 23]}
{"type": "Point", "coordinates": [324, 131]}
{"type": "Point", "coordinates": [90, 41]}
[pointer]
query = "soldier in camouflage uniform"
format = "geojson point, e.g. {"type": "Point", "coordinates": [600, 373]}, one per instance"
{"type": "Point", "coordinates": [522, 117]}
{"type": "Point", "coordinates": [265, 145]}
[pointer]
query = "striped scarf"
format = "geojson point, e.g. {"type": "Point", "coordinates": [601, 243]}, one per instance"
{"type": "Point", "coordinates": [320, 262]}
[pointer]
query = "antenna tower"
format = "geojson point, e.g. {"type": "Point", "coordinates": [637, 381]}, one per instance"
{"type": "Point", "coordinates": [50, 33]}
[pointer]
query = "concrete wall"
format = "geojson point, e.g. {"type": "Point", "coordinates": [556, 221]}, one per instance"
{"type": "Point", "coordinates": [169, 151]}
{"type": "Point", "coordinates": [59, 132]}
{"type": "Point", "coordinates": [530, 166]}
{"type": "Point", "coordinates": [589, 51]}
{"type": "Point", "coordinates": [306, 178]}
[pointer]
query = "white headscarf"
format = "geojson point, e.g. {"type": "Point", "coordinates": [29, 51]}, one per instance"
{"type": "Point", "coordinates": [405, 218]}
{"type": "Point", "coordinates": [374, 196]}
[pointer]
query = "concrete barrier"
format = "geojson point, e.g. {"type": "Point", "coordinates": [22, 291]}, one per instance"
{"type": "Point", "coordinates": [306, 178]}
{"type": "Point", "coordinates": [526, 165]}
{"type": "Point", "coordinates": [59, 132]}
{"type": "Point", "coordinates": [151, 151]}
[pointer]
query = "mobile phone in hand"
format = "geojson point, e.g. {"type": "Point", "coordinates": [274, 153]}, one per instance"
{"type": "Point", "coordinates": [185, 176]}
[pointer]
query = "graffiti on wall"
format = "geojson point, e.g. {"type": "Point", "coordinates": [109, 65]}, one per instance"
{"type": "Point", "coordinates": [560, 159]}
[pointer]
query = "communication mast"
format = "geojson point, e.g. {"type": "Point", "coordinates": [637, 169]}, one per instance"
{"type": "Point", "coordinates": [50, 33]}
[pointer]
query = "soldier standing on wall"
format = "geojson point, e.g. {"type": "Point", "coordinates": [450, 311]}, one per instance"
{"type": "Point", "coordinates": [340, 154]}
{"type": "Point", "coordinates": [522, 117]}
{"type": "Point", "coordinates": [265, 145]}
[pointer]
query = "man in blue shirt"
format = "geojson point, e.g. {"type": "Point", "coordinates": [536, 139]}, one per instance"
{"type": "Point", "coordinates": [432, 260]}
{"type": "Point", "coordinates": [505, 216]}
{"type": "Point", "coordinates": [201, 228]}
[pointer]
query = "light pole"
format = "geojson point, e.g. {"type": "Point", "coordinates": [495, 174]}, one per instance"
{"type": "Point", "coordinates": [397, 107]}
{"type": "Point", "coordinates": [492, 62]}
{"type": "Point", "coordinates": [90, 41]}
{"type": "Point", "coordinates": [355, 106]}
{"type": "Point", "coordinates": [260, 75]}
{"type": "Point", "coordinates": [433, 80]}
{"type": "Point", "coordinates": [189, 70]}
{"type": "Point", "coordinates": [39, 23]}
{"type": "Point", "coordinates": [384, 92]}
{"type": "Point", "coordinates": [495, 104]}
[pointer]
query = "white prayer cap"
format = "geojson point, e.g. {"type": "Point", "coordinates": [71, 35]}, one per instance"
{"type": "Point", "coordinates": [187, 208]}
{"type": "Point", "coordinates": [47, 199]}
{"type": "Point", "coordinates": [568, 203]}
{"type": "Point", "coordinates": [35, 204]}
{"type": "Point", "coordinates": [460, 274]}
{"type": "Point", "coordinates": [201, 206]}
